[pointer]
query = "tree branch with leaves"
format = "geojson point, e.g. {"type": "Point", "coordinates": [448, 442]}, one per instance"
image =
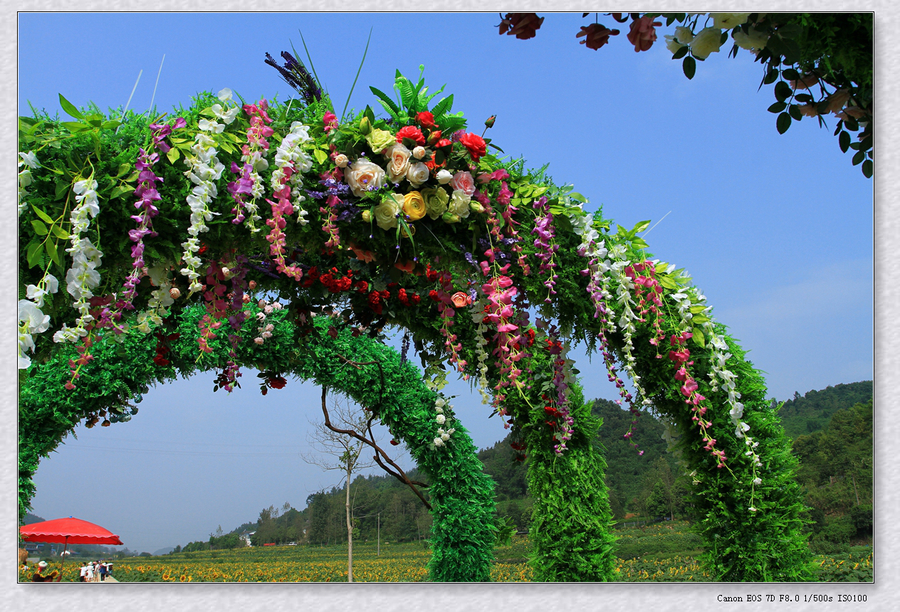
{"type": "Point", "coordinates": [821, 64]}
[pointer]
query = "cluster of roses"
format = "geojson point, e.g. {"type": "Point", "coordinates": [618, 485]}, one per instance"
{"type": "Point", "coordinates": [443, 435]}
{"type": "Point", "coordinates": [265, 329]}
{"type": "Point", "coordinates": [416, 154]}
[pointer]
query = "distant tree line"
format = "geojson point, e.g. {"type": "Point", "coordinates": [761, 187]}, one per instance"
{"type": "Point", "coordinates": [811, 412]}
{"type": "Point", "coordinates": [833, 441]}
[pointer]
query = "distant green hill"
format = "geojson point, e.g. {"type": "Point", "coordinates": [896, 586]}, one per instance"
{"type": "Point", "coordinates": [812, 412]}
{"type": "Point", "coordinates": [384, 505]}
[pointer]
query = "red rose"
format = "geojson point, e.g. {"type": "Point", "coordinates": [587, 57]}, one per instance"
{"type": "Point", "coordinates": [474, 144]}
{"type": "Point", "coordinates": [277, 382]}
{"type": "Point", "coordinates": [426, 119]}
{"type": "Point", "coordinates": [411, 132]}
{"type": "Point", "coordinates": [521, 25]}
{"type": "Point", "coordinates": [596, 35]}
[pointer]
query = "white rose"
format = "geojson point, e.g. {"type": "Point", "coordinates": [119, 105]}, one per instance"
{"type": "Point", "coordinates": [459, 204]}
{"type": "Point", "coordinates": [417, 174]}
{"type": "Point", "coordinates": [440, 419]}
{"type": "Point", "coordinates": [398, 165]}
{"type": "Point", "coordinates": [684, 35]}
{"type": "Point", "coordinates": [754, 39]}
{"type": "Point", "coordinates": [671, 44]}
{"type": "Point", "coordinates": [707, 41]}
{"type": "Point", "coordinates": [363, 176]}
{"type": "Point", "coordinates": [418, 152]}
{"type": "Point", "coordinates": [445, 436]}
{"type": "Point", "coordinates": [444, 176]}
{"type": "Point", "coordinates": [727, 21]}
{"type": "Point", "coordinates": [386, 212]}
{"type": "Point", "coordinates": [341, 161]}
{"type": "Point", "coordinates": [438, 442]}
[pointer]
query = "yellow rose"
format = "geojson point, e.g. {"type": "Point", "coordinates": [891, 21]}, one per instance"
{"type": "Point", "coordinates": [414, 205]}
{"type": "Point", "coordinates": [379, 140]}
{"type": "Point", "coordinates": [386, 212]}
{"type": "Point", "coordinates": [435, 201]}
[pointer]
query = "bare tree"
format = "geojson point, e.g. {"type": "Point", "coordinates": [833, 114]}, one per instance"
{"type": "Point", "coordinates": [334, 439]}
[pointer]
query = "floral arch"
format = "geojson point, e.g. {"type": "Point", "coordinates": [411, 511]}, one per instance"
{"type": "Point", "coordinates": [405, 221]}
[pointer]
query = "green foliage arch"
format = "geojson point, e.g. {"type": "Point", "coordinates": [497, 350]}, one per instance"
{"type": "Point", "coordinates": [404, 221]}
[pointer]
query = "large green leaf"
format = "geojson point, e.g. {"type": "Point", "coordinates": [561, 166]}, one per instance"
{"type": "Point", "coordinates": [386, 101]}
{"type": "Point", "coordinates": [69, 108]}
{"type": "Point", "coordinates": [407, 94]}
{"type": "Point", "coordinates": [39, 228]}
{"type": "Point", "coordinates": [783, 123]}
{"type": "Point", "coordinates": [443, 106]}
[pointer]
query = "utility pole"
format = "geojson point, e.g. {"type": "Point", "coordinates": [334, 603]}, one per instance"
{"type": "Point", "coordinates": [378, 532]}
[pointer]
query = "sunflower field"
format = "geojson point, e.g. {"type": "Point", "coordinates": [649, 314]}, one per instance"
{"type": "Point", "coordinates": [663, 552]}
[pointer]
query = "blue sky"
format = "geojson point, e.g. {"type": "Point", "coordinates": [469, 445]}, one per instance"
{"type": "Point", "coordinates": [777, 230]}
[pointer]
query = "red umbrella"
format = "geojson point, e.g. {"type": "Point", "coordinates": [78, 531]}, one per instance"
{"type": "Point", "coordinates": [68, 531]}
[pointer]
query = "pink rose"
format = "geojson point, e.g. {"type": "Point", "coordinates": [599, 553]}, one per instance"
{"type": "Point", "coordinates": [399, 162]}
{"type": "Point", "coordinates": [460, 299]}
{"type": "Point", "coordinates": [463, 181]}
{"type": "Point", "coordinates": [643, 33]}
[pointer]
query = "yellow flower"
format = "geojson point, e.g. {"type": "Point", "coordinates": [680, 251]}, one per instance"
{"type": "Point", "coordinates": [386, 212]}
{"type": "Point", "coordinates": [414, 205]}
{"type": "Point", "coordinates": [379, 140]}
{"type": "Point", "coordinates": [435, 201]}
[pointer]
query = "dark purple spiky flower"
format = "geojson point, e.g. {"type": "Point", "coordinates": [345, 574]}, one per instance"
{"type": "Point", "coordinates": [297, 76]}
